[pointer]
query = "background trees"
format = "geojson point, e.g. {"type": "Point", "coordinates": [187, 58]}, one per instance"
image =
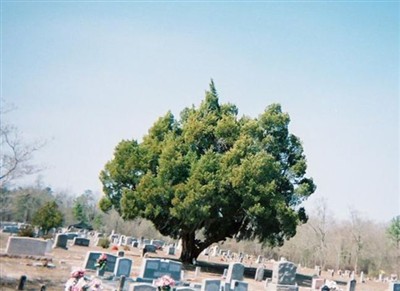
{"type": "Point", "coordinates": [212, 173]}
{"type": "Point", "coordinates": [48, 216]}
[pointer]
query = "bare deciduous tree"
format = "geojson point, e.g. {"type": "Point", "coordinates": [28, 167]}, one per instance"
{"type": "Point", "coordinates": [16, 154]}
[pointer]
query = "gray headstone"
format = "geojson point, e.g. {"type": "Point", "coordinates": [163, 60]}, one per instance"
{"type": "Point", "coordinates": [26, 246]}
{"type": "Point", "coordinates": [91, 258]}
{"type": "Point", "coordinates": [80, 241]}
{"type": "Point", "coordinates": [150, 248]}
{"type": "Point", "coordinates": [211, 285]}
{"type": "Point", "coordinates": [259, 274]}
{"type": "Point", "coordinates": [142, 287]}
{"type": "Point", "coordinates": [394, 286]}
{"type": "Point", "coordinates": [61, 241]}
{"type": "Point", "coordinates": [49, 245]}
{"type": "Point", "coordinates": [123, 267]}
{"type": "Point", "coordinates": [121, 254]}
{"type": "Point", "coordinates": [156, 268]}
{"type": "Point", "coordinates": [235, 272]}
{"type": "Point", "coordinates": [284, 273]}
{"type": "Point", "coordinates": [129, 241]}
{"type": "Point", "coordinates": [226, 286]}
{"type": "Point", "coordinates": [351, 285]}
{"type": "Point", "coordinates": [171, 250]}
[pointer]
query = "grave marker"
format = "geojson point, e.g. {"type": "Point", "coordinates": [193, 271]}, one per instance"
{"type": "Point", "coordinates": [61, 241]}
{"type": "Point", "coordinates": [235, 272]}
{"type": "Point", "coordinates": [26, 246]}
{"type": "Point", "coordinates": [211, 285]}
{"type": "Point", "coordinates": [259, 274]}
{"type": "Point", "coordinates": [123, 267]}
{"type": "Point", "coordinates": [80, 241]}
{"type": "Point", "coordinates": [155, 268]}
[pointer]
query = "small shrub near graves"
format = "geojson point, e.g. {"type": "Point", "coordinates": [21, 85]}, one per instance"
{"type": "Point", "coordinates": [114, 248]}
{"type": "Point", "coordinates": [104, 243]}
{"type": "Point", "coordinates": [47, 236]}
{"type": "Point", "coordinates": [127, 248]}
{"type": "Point", "coordinates": [27, 231]}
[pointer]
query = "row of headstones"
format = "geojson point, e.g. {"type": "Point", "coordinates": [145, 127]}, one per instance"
{"type": "Point", "coordinates": [62, 239]}
{"type": "Point", "coordinates": [39, 247]}
{"type": "Point", "coordinates": [120, 239]}
{"type": "Point", "coordinates": [155, 268]}
{"type": "Point", "coordinates": [215, 251]}
{"type": "Point", "coordinates": [152, 269]}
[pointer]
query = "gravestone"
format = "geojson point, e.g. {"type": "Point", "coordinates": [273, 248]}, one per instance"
{"type": "Point", "coordinates": [259, 274]}
{"type": "Point", "coordinates": [235, 272]}
{"type": "Point", "coordinates": [142, 287]}
{"type": "Point", "coordinates": [121, 254]}
{"type": "Point", "coordinates": [123, 267]}
{"type": "Point", "coordinates": [61, 241]}
{"type": "Point", "coordinates": [26, 246]}
{"type": "Point", "coordinates": [239, 285]}
{"type": "Point", "coordinates": [91, 258]}
{"type": "Point", "coordinates": [362, 277]}
{"type": "Point", "coordinates": [150, 248]}
{"type": "Point", "coordinates": [224, 273]}
{"type": "Point", "coordinates": [394, 286]}
{"type": "Point", "coordinates": [317, 283]}
{"type": "Point", "coordinates": [80, 241]}
{"type": "Point", "coordinates": [259, 259]}
{"type": "Point", "coordinates": [214, 252]}
{"type": "Point", "coordinates": [351, 285]}
{"type": "Point", "coordinates": [135, 244]}
{"type": "Point", "coordinates": [155, 268]}
{"type": "Point", "coordinates": [171, 251]}
{"type": "Point", "coordinates": [283, 277]}
{"type": "Point", "coordinates": [129, 240]}
{"type": "Point", "coordinates": [284, 273]}
{"type": "Point", "coordinates": [185, 288]}
{"type": "Point", "coordinates": [211, 285]}
{"type": "Point", "coordinates": [122, 240]}
{"type": "Point", "coordinates": [49, 245]}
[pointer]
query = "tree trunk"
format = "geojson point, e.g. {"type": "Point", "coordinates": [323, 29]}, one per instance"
{"type": "Point", "coordinates": [190, 250]}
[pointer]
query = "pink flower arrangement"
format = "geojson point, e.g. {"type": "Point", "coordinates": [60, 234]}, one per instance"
{"type": "Point", "coordinates": [77, 274]}
{"type": "Point", "coordinates": [101, 262]}
{"type": "Point", "coordinates": [165, 282]}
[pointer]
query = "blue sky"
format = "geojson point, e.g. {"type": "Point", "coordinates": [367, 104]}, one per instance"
{"type": "Point", "coordinates": [85, 75]}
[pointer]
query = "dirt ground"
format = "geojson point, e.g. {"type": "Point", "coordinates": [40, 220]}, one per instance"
{"type": "Point", "coordinates": [62, 262]}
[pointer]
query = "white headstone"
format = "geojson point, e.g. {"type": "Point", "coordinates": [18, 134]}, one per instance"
{"type": "Point", "coordinates": [259, 274]}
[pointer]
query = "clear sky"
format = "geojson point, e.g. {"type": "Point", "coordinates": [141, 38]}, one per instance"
{"type": "Point", "coordinates": [86, 74]}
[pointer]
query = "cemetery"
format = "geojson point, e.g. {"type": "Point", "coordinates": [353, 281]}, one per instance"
{"type": "Point", "coordinates": [53, 264]}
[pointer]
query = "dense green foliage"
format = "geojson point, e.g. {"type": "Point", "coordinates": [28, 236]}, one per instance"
{"type": "Point", "coordinates": [212, 173]}
{"type": "Point", "coordinates": [394, 230]}
{"type": "Point", "coordinates": [48, 216]}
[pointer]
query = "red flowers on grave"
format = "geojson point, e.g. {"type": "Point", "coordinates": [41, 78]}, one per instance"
{"type": "Point", "coordinates": [101, 262]}
{"type": "Point", "coordinates": [165, 283]}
